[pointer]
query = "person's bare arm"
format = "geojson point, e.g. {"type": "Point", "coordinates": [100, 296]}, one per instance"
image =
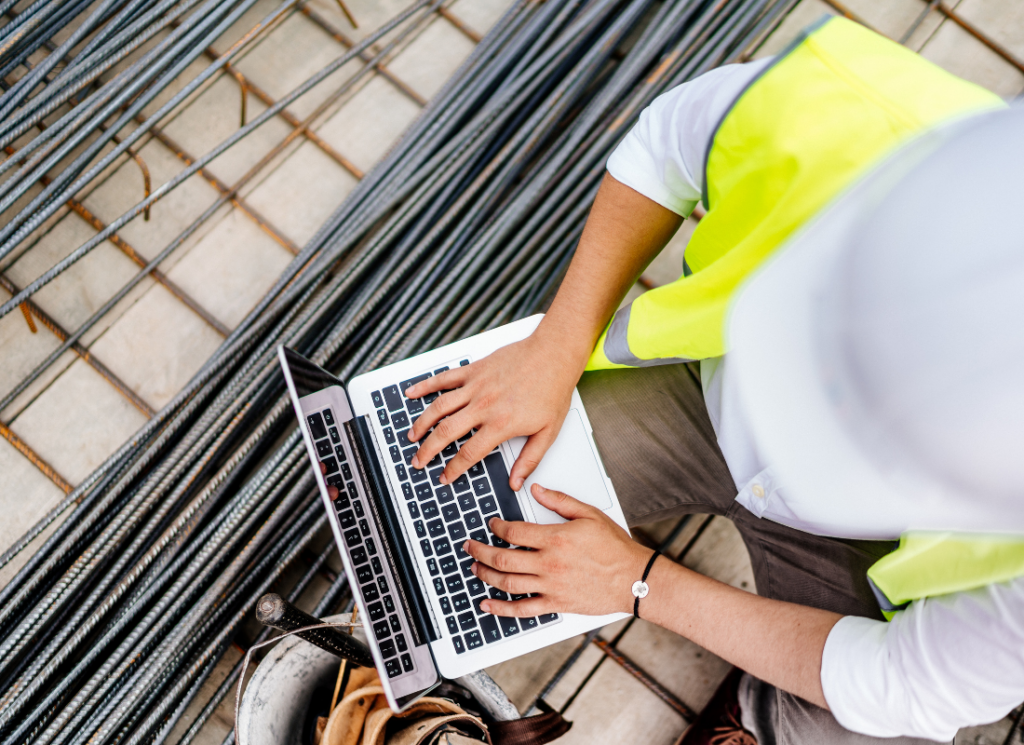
{"type": "Point", "coordinates": [588, 565]}
{"type": "Point", "coordinates": [524, 389]}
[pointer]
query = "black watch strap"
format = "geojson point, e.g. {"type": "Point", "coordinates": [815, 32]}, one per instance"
{"type": "Point", "coordinates": [640, 588]}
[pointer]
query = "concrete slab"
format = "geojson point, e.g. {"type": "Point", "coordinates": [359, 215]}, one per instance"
{"type": "Point", "coordinates": [524, 678]}
{"type": "Point", "coordinates": [804, 14]}
{"type": "Point", "coordinates": [428, 61]}
{"type": "Point", "coordinates": [37, 495]}
{"type": "Point", "coordinates": [1000, 20]}
{"type": "Point", "coordinates": [892, 18]}
{"type": "Point", "coordinates": [77, 422]}
{"type": "Point", "coordinates": [302, 192]}
{"type": "Point", "coordinates": [368, 125]}
{"type": "Point", "coordinates": [230, 269]}
{"type": "Point", "coordinates": [479, 15]}
{"type": "Point", "coordinates": [957, 51]}
{"type": "Point", "coordinates": [157, 346]}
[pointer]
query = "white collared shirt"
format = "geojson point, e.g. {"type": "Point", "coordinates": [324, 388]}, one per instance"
{"type": "Point", "coordinates": [945, 662]}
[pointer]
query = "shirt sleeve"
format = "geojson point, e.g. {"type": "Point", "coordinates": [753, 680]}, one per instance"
{"type": "Point", "coordinates": [942, 664]}
{"type": "Point", "coordinates": [662, 157]}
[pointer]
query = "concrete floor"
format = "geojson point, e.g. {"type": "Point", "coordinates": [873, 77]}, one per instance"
{"type": "Point", "coordinates": [153, 342]}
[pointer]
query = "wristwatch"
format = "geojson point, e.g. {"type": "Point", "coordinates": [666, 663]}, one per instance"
{"type": "Point", "coordinates": [640, 587]}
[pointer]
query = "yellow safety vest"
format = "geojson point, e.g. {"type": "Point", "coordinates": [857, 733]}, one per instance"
{"type": "Point", "coordinates": [834, 104]}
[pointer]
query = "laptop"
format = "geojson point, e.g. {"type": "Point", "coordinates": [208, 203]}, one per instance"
{"type": "Point", "coordinates": [400, 532]}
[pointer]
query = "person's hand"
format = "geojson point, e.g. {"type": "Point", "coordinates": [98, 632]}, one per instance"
{"type": "Point", "coordinates": [587, 565]}
{"type": "Point", "coordinates": [332, 491]}
{"type": "Point", "coordinates": [523, 389]}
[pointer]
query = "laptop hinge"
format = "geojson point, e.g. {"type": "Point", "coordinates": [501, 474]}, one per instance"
{"type": "Point", "coordinates": [389, 527]}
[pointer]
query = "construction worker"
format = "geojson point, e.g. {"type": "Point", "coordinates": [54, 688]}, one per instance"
{"type": "Point", "coordinates": [860, 262]}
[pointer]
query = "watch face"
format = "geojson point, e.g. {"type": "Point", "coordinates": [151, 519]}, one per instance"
{"type": "Point", "coordinates": [640, 589]}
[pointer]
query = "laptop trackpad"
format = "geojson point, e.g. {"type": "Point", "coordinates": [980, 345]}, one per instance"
{"type": "Point", "coordinates": [569, 466]}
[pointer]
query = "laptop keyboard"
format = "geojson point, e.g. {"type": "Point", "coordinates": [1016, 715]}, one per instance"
{"type": "Point", "coordinates": [378, 597]}
{"type": "Point", "coordinates": [444, 516]}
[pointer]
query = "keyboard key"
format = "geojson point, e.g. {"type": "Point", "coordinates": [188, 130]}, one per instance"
{"type": "Point", "coordinates": [376, 611]}
{"type": "Point", "coordinates": [435, 528]}
{"type": "Point", "coordinates": [393, 668]}
{"type": "Point", "coordinates": [460, 552]}
{"type": "Point", "coordinates": [509, 627]}
{"type": "Point", "coordinates": [346, 471]}
{"type": "Point", "coordinates": [364, 527]}
{"type": "Point", "coordinates": [323, 448]}
{"type": "Point", "coordinates": [414, 510]}
{"type": "Point", "coordinates": [336, 481]}
{"type": "Point", "coordinates": [403, 439]}
{"type": "Point", "coordinates": [442, 546]}
{"type": "Point", "coordinates": [474, 640]}
{"type": "Point", "coordinates": [474, 521]}
{"type": "Point", "coordinates": [489, 627]}
{"type": "Point", "coordinates": [446, 605]}
{"type": "Point", "coordinates": [396, 626]}
{"type": "Point", "coordinates": [364, 574]}
{"type": "Point", "coordinates": [396, 454]}
{"type": "Point", "coordinates": [500, 543]}
{"type": "Point", "coordinates": [519, 597]}
{"type": "Point", "coordinates": [335, 437]}
{"type": "Point", "coordinates": [393, 398]}
{"type": "Point", "coordinates": [467, 570]}
{"type": "Point", "coordinates": [450, 512]}
{"type": "Point", "coordinates": [507, 502]}
{"type": "Point", "coordinates": [400, 643]}
{"type": "Point", "coordinates": [481, 487]}
{"type": "Point", "coordinates": [370, 593]}
{"type": "Point", "coordinates": [425, 547]}
{"type": "Point", "coordinates": [459, 646]}
{"type": "Point", "coordinates": [358, 507]}
{"type": "Point", "coordinates": [389, 604]}
{"type": "Point", "coordinates": [371, 549]}
{"type": "Point", "coordinates": [457, 532]}
{"type": "Point", "coordinates": [430, 510]}
{"type": "Point", "coordinates": [387, 648]}
{"type": "Point", "coordinates": [377, 568]}
{"type": "Point", "coordinates": [488, 504]}
{"type": "Point", "coordinates": [352, 537]}
{"type": "Point", "coordinates": [479, 536]}
{"type": "Point", "coordinates": [408, 453]}
{"type": "Point", "coordinates": [476, 470]}
{"type": "Point", "coordinates": [453, 627]}
{"type": "Point", "coordinates": [467, 502]}
{"type": "Point", "coordinates": [547, 617]}
{"type": "Point", "coordinates": [328, 417]}
{"type": "Point", "coordinates": [347, 519]}
{"type": "Point", "coordinates": [435, 475]}
{"type": "Point", "coordinates": [528, 624]}
{"type": "Point", "coordinates": [454, 583]}
{"type": "Point", "coordinates": [423, 491]}
{"type": "Point", "coordinates": [382, 583]}
{"type": "Point", "coordinates": [331, 464]}
{"type": "Point", "coordinates": [417, 475]}
{"type": "Point", "coordinates": [406, 663]}
{"type": "Point", "coordinates": [461, 483]}
{"type": "Point", "coordinates": [449, 565]}
{"type": "Point", "coordinates": [389, 435]}
{"type": "Point", "coordinates": [475, 586]}
{"type": "Point", "coordinates": [421, 530]}
{"type": "Point", "coordinates": [340, 452]}
{"type": "Point", "coordinates": [432, 567]}
{"type": "Point", "coordinates": [378, 400]}
{"type": "Point", "coordinates": [460, 602]}
{"type": "Point", "coordinates": [450, 450]}
{"type": "Point", "coordinates": [476, 605]}
{"type": "Point", "coordinates": [401, 473]}
{"type": "Point", "coordinates": [497, 594]}
{"type": "Point", "coordinates": [316, 426]}
{"type": "Point", "coordinates": [440, 370]}
{"type": "Point", "coordinates": [405, 384]}
{"type": "Point", "coordinates": [407, 491]}
{"type": "Point", "coordinates": [467, 621]}
{"type": "Point", "coordinates": [444, 494]}
{"type": "Point", "coordinates": [358, 555]}
{"type": "Point", "coordinates": [439, 585]}
{"type": "Point", "coordinates": [414, 405]}
{"type": "Point", "coordinates": [382, 417]}
{"type": "Point", "coordinates": [400, 420]}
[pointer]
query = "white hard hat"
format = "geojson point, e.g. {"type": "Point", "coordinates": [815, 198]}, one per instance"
{"type": "Point", "coordinates": [879, 355]}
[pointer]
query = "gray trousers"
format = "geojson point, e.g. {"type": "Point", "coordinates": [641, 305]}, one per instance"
{"type": "Point", "coordinates": [660, 451]}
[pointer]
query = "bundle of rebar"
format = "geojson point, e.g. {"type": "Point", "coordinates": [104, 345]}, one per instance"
{"type": "Point", "coordinates": [110, 629]}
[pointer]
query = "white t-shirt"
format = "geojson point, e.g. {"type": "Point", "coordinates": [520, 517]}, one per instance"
{"type": "Point", "coordinates": [945, 662]}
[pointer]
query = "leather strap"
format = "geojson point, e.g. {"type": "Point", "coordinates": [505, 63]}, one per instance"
{"type": "Point", "coordinates": [636, 600]}
{"type": "Point", "coordinates": [536, 730]}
